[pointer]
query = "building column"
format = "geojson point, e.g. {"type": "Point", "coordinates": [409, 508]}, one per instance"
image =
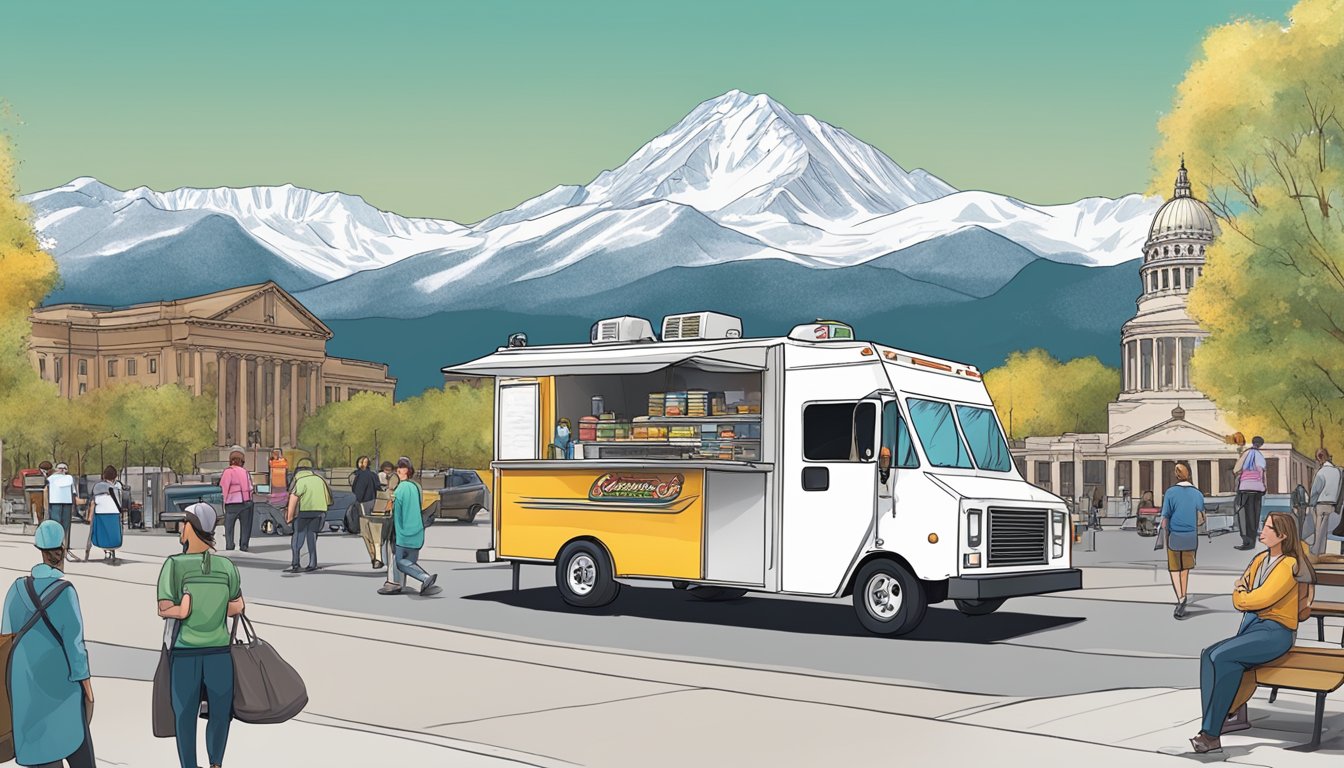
{"type": "Point", "coordinates": [294, 403]}
{"type": "Point", "coordinates": [198, 372]}
{"type": "Point", "coordinates": [241, 430]}
{"type": "Point", "coordinates": [275, 410]}
{"type": "Point", "coordinates": [222, 434]}
{"type": "Point", "coordinates": [261, 399]}
{"type": "Point", "coordinates": [312, 388]}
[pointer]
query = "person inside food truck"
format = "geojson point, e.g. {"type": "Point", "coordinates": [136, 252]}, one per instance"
{"type": "Point", "coordinates": [564, 439]}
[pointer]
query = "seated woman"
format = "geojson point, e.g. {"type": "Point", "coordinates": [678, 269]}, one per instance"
{"type": "Point", "coordinates": [1267, 593]}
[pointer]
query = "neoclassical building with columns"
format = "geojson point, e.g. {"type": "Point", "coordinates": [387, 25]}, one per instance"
{"type": "Point", "coordinates": [256, 350]}
{"type": "Point", "coordinates": [1160, 418]}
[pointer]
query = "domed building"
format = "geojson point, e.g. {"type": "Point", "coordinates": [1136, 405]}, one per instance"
{"type": "Point", "coordinates": [1160, 418]}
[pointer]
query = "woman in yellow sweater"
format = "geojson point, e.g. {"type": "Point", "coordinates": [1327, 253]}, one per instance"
{"type": "Point", "coordinates": [1267, 595]}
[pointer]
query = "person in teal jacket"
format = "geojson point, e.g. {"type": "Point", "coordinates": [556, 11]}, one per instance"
{"type": "Point", "coordinates": [409, 534]}
{"type": "Point", "coordinates": [49, 683]}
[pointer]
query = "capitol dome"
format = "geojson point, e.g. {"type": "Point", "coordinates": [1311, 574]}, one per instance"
{"type": "Point", "coordinates": [1183, 216]}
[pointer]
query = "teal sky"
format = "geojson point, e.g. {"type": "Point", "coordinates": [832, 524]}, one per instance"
{"type": "Point", "coordinates": [461, 109]}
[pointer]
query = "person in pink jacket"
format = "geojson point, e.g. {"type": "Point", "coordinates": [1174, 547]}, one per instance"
{"type": "Point", "coordinates": [236, 485]}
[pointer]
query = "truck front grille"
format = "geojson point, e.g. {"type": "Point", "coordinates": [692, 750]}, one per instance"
{"type": "Point", "coordinates": [1018, 537]}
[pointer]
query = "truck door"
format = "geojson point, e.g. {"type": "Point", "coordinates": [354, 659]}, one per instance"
{"type": "Point", "coordinates": [830, 488]}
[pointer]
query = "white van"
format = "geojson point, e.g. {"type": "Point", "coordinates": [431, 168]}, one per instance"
{"type": "Point", "coordinates": [814, 464]}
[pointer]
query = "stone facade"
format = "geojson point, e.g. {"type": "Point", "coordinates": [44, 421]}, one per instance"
{"type": "Point", "coordinates": [256, 345]}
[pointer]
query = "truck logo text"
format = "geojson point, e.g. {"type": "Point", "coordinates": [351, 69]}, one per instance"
{"type": "Point", "coordinates": [614, 487]}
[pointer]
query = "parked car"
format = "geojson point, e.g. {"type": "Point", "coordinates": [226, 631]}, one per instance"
{"type": "Point", "coordinates": [271, 521]}
{"type": "Point", "coordinates": [266, 519]}
{"type": "Point", "coordinates": [429, 509]}
{"type": "Point", "coordinates": [463, 495]}
{"type": "Point", "coordinates": [177, 497]}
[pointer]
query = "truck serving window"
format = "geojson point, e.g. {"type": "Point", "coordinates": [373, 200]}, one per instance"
{"type": "Point", "coordinates": [828, 431]}
{"type": "Point", "coordinates": [938, 433]}
{"type": "Point", "coordinates": [896, 438]}
{"type": "Point", "coordinates": [982, 433]}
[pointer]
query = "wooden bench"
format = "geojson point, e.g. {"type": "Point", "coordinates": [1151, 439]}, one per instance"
{"type": "Point", "coordinates": [1313, 670]}
{"type": "Point", "coordinates": [1323, 609]}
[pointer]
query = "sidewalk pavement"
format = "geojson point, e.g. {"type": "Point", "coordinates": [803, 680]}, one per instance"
{"type": "Point", "coordinates": [391, 692]}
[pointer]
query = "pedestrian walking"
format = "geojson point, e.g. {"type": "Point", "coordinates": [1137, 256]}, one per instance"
{"type": "Point", "coordinates": [1268, 595]}
{"type": "Point", "coordinates": [278, 470]}
{"type": "Point", "coordinates": [1182, 514]}
{"type": "Point", "coordinates": [50, 690]}
{"type": "Point", "coordinates": [409, 532]}
{"type": "Point", "coordinates": [37, 499]}
{"type": "Point", "coordinates": [309, 500]}
{"type": "Point", "coordinates": [1324, 500]}
{"type": "Point", "coordinates": [198, 592]}
{"type": "Point", "coordinates": [62, 498]}
{"type": "Point", "coordinates": [236, 486]}
{"type": "Point", "coordinates": [387, 478]}
{"type": "Point", "coordinates": [1250, 492]}
{"type": "Point", "coordinates": [373, 525]}
{"type": "Point", "coordinates": [105, 507]}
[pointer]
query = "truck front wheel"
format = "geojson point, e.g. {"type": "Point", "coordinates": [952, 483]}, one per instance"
{"type": "Point", "coordinates": [585, 576]}
{"type": "Point", "coordinates": [979, 607]}
{"type": "Point", "coordinates": [888, 599]}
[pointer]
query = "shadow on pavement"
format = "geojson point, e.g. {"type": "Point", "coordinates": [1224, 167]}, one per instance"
{"type": "Point", "coordinates": [945, 625]}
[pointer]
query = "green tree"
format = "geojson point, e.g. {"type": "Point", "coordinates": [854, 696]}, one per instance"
{"type": "Point", "coordinates": [1035, 394]}
{"type": "Point", "coordinates": [1257, 118]}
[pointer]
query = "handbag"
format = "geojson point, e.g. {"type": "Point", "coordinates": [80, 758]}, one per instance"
{"type": "Point", "coordinates": [162, 717]}
{"type": "Point", "coordinates": [266, 689]}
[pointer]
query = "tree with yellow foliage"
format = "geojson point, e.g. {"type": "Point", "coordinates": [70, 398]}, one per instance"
{"type": "Point", "coordinates": [1258, 119]}
{"type": "Point", "coordinates": [1035, 394]}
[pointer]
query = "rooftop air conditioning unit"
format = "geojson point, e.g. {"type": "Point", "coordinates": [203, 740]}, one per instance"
{"type": "Point", "coordinates": [622, 330]}
{"type": "Point", "coordinates": [701, 325]}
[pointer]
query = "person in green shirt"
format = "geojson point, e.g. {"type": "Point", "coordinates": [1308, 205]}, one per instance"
{"type": "Point", "coordinates": [309, 499]}
{"type": "Point", "coordinates": [409, 534]}
{"type": "Point", "coordinates": [199, 591]}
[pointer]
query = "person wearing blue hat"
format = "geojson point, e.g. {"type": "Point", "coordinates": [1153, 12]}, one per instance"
{"type": "Point", "coordinates": [50, 689]}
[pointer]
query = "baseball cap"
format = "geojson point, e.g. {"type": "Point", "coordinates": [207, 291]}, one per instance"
{"type": "Point", "coordinates": [205, 514]}
{"type": "Point", "coordinates": [50, 535]}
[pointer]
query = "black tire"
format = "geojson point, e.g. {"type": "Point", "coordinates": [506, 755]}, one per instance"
{"type": "Point", "coordinates": [979, 607]}
{"type": "Point", "coordinates": [898, 601]}
{"type": "Point", "coordinates": [352, 519]}
{"type": "Point", "coordinates": [713, 594]}
{"type": "Point", "coordinates": [593, 584]}
{"type": "Point", "coordinates": [475, 510]}
{"type": "Point", "coordinates": [681, 585]}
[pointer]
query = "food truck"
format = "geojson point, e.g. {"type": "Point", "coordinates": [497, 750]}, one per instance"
{"type": "Point", "coordinates": [815, 464]}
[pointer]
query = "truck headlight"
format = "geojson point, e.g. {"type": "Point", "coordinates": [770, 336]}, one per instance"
{"type": "Point", "coordinates": [972, 560]}
{"type": "Point", "coordinates": [1058, 520]}
{"type": "Point", "coordinates": [973, 528]}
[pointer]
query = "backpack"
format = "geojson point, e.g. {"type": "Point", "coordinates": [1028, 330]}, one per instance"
{"type": "Point", "coordinates": [210, 595]}
{"type": "Point", "coordinates": [7, 645]}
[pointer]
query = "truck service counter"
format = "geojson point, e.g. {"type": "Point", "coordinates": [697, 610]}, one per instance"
{"type": "Point", "coordinates": [687, 519]}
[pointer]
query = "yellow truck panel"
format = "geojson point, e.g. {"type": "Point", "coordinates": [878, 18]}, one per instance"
{"type": "Point", "coordinates": [652, 521]}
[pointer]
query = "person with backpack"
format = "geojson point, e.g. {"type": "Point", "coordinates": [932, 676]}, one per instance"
{"type": "Point", "coordinates": [105, 506]}
{"type": "Point", "coordinates": [1250, 474]}
{"type": "Point", "coordinates": [409, 535]}
{"type": "Point", "coordinates": [309, 500]}
{"type": "Point", "coordinates": [49, 686]}
{"type": "Point", "coordinates": [199, 591]}
{"type": "Point", "coordinates": [1325, 497]}
{"type": "Point", "coordinates": [235, 484]}
{"type": "Point", "coordinates": [1273, 599]}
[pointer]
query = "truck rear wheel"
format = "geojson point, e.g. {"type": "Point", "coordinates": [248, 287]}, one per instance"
{"type": "Point", "coordinates": [979, 607]}
{"type": "Point", "coordinates": [585, 576]}
{"type": "Point", "coordinates": [888, 599]}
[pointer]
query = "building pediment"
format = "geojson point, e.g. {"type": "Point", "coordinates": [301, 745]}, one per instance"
{"type": "Point", "coordinates": [1173, 435]}
{"type": "Point", "coordinates": [270, 305]}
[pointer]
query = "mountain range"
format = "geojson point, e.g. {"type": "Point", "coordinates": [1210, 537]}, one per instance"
{"type": "Point", "coordinates": [742, 206]}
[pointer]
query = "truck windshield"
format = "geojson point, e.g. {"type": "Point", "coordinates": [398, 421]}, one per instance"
{"type": "Point", "coordinates": [938, 433]}
{"type": "Point", "coordinates": [983, 435]}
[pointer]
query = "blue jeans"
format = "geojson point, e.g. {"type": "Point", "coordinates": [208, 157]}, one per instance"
{"type": "Point", "coordinates": [1222, 664]}
{"type": "Point", "coordinates": [62, 513]}
{"type": "Point", "coordinates": [202, 674]}
{"type": "Point", "coordinates": [306, 526]}
{"type": "Point", "coordinates": [408, 564]}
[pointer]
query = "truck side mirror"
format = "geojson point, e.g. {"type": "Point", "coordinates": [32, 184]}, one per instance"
{"type": "Point", "coordinates": [884, 463]}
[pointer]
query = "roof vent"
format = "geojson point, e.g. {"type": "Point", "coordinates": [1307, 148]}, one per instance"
{"type": "Point", "coordinates": [701, 325]}
{"type": "Point", "coordinates": [622, 330]}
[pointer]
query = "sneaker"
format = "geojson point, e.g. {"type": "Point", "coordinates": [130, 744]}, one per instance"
{"type": "Point", "coordinates": [1179, 613]}
{"type": "Point", "coordinates": [430, 591]}
{"type": "Point", "coordinates": [428, 584]}
{"type": "Point", "coordinates": [1245, 547]}
{"type": "Point", "coordinates": [293, 569]}
{"type": "Point", "coordinates": [1204, 744]}
{"type": "Point", "coordinates": [390, 589]}
{"type": "Point", "coordinates": [378, 565]}
{"type": "Point", "coordinates": [310, 568]}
